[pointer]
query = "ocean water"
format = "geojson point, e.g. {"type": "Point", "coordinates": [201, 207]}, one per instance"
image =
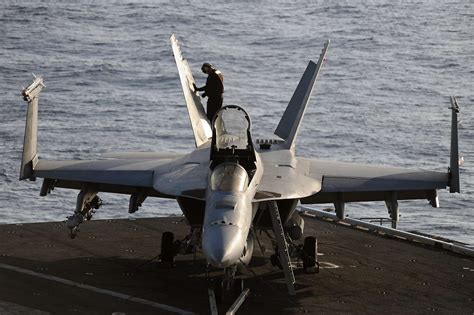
{"type": "Point", "coordinates": [112, 85]}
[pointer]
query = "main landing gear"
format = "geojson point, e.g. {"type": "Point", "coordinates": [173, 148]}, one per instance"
{"type": "Point", "coordinates": [286, 250]}
{"type": "Point", "coordinates": [171, 247]}
{"type": "Point", "coordinates": [310, 255]}
{"type": "Point", "coordinates": [304, 255]}
{"type": "Point", "coordinates": [87, 203]}
{"type": "Point", "coordinates": [167, 248]}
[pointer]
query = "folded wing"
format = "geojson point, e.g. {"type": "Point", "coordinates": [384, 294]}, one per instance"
{"type": "Point", "coordinates": [199, 122]}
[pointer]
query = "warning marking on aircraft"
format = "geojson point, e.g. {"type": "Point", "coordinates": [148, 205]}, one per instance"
{"type": "Point", "coordinates": [95, 289]}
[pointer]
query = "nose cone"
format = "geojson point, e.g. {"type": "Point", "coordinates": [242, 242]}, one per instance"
{"type": "Point", "coordinates": [222, 244]}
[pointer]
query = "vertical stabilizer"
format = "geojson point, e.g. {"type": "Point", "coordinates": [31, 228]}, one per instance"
{"type": "Point", "coordinates": [29, 157]}
{"type": "Point", "coordinates": [454, 185]}
{"type": "Point", "coordinates": [199, 122]}
{"type": "Point", "coordinates": [290, 123]}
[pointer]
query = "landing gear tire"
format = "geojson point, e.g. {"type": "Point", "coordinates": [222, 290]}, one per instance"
{"type": "Point", "coordinates": [167, 248]}
{"type": "Point", "coordinates": [310, 255]}
{"type": "Point", "coordinates": [275, 260]}
{"type": "Point", "coordinates": [217, 286]}
{"type": "Point", "coordinates": [238, 287]}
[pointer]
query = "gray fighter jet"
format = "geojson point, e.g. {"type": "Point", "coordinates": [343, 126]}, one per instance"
{"type": "Point", "coordinates": [230, 185]}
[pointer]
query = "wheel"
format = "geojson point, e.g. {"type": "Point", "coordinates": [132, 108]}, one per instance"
{"type": "Point", "coordinates": [238, 287]}
{"type": "Point", "coordinates": [310, 255]}
{"type": "Point", "coordinates": [275, 260]}
{"type": "Point", "coordinates": [167, 247]}
{"type": "Point", "coordinates": [218, 290]}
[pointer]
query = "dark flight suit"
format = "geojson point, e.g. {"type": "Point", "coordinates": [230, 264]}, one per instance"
{"type": "Point", "coordinates": [214, 90]}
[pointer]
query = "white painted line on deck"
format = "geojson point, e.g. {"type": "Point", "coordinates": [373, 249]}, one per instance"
{"type": "Point", "coordinates": [95, 289]}
{"type": "Point", "coordinates": [16, 309]}
{"type": "Point", "coordinates": [212, 302]}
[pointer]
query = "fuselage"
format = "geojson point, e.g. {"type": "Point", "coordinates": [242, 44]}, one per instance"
{"type": "Point", "coordinates": [229, 214]}
{"type": "Point", "coordinates": [231, 189]}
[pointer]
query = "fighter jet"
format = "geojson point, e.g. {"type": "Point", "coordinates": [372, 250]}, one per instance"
{"type": "Point", "coordinates": [230, 186]}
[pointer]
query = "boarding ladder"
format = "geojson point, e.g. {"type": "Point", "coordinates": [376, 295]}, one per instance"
{"type": "Point", "coordinates": [282, 246]}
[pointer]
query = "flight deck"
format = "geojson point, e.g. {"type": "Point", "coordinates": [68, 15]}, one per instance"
{"type": "Point", "coordinates": [112, 266]}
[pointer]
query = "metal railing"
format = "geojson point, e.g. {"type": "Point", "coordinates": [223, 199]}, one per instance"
{"type": "Point", "coordinates": [355, 223]}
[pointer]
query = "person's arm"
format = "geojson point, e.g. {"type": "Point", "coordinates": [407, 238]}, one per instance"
{"type": "Point", "coordinates": [199, 89]}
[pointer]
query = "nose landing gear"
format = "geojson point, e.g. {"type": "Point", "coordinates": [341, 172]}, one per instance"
{"type": "Point", "coordinates": [225, 286]}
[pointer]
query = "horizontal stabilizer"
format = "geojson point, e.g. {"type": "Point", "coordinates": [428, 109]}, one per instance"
{"type": "Point", "coordinates": [199, 122]}
{"type": "Point", "coordinates": [290, 123]}
{"type": "Point", "coordinates": [141, 155]}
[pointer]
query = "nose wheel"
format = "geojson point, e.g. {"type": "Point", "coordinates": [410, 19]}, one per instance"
{"type": "Point", "coordinates": [238, 287]}
{"type": "Point", "coordinates": [217, 286]}
{"type": "Point", "coordinates": [222, 287]}
{"type": "Point", "coordinates": [219, 289]}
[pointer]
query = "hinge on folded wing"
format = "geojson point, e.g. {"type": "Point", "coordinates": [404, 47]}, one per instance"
{"type": "Point", "coordinates": [32, 91]}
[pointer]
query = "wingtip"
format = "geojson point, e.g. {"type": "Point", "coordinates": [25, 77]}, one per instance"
{"type": "Point", "coordinates": [454, 182]}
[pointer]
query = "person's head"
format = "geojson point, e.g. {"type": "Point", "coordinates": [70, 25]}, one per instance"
{"type": "Point", "coordinates": [206, 68]}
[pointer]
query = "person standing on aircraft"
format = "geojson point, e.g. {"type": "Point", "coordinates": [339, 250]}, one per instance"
{"type": "Point", "coordinates": [214, 89]}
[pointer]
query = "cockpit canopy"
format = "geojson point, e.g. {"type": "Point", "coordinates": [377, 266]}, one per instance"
{"type": "Point", "coordinates": [231, 139]}
{"type": "Point", "coordinates": [232, 125]}
{"type": "Point", "coordinates": [229, 177]}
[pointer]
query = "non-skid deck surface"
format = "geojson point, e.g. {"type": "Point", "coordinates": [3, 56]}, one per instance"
{"type": "Point", "coordinates": [112, 266]}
